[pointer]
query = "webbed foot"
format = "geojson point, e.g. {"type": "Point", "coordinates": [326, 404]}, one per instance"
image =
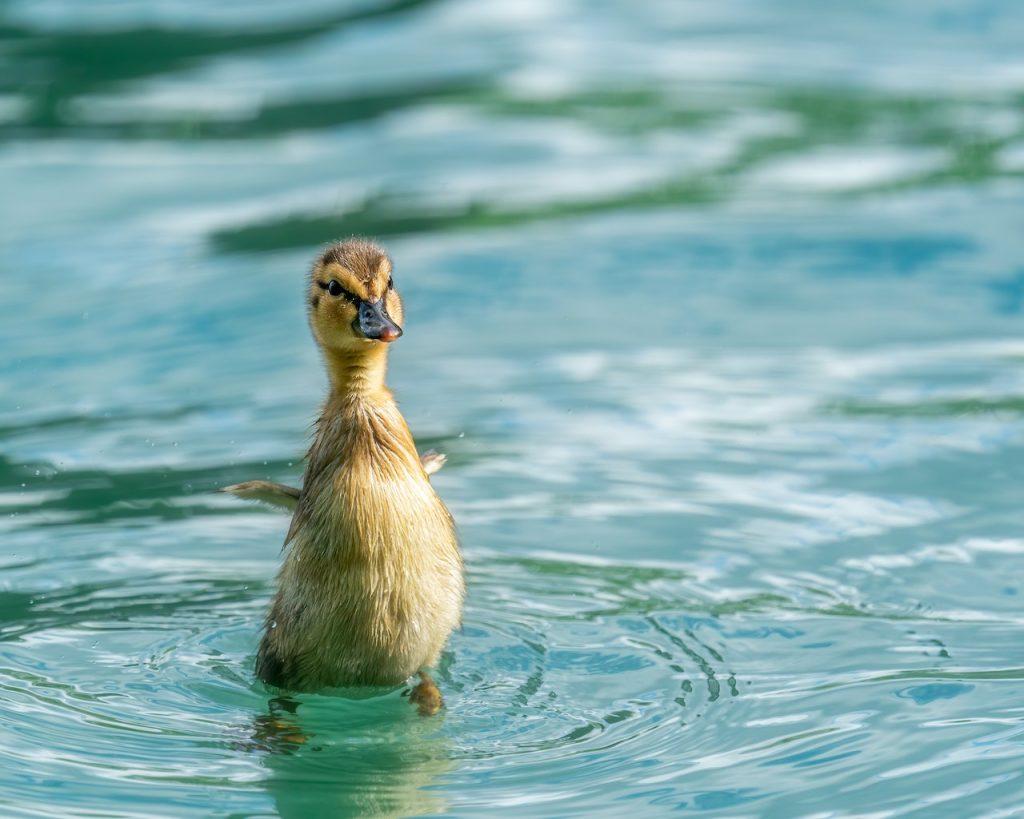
{"type": "Point", "coordinates": [427, 696]}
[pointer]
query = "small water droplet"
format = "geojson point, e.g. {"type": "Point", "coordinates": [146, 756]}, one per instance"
{"type": "Point", "coordinates": [273, 624]}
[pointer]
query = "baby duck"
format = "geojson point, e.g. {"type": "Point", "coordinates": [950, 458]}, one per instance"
{"type": "Point", "coordinates": [371, 583]}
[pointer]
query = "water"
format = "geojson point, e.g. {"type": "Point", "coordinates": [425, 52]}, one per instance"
{"type": "Point", "coordinates": [716, 309]}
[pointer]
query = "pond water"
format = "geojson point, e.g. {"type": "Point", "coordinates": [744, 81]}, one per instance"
{"type": "Point", "coordinates": [715, 308]}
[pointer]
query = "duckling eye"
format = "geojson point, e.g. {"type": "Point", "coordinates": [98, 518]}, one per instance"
{"type": "Point", "coordinates": [391, 283]}
{"type": "Point", "coordinates": [335, 289]}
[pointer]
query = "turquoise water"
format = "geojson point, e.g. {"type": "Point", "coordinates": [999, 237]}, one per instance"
{"type": "Point", "coordinates": [715, 308]}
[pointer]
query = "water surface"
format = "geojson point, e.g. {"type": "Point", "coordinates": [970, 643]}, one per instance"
{"type": "Point", "coordinates": [716, 311]}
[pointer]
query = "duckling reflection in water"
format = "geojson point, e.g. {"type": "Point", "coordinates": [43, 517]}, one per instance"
{"type": "Point", "coordinates": [347, 758]}
{"type": "Point", "coordinates": [371, 584]}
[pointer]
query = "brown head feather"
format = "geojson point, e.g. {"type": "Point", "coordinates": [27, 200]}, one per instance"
{"type": "Point", "coordinates": [367, 262]}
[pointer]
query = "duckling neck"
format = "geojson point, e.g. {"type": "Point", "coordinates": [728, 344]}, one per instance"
{"type": "Point", "coordinates": [358, 374]}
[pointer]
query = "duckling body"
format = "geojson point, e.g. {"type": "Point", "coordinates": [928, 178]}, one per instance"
{"type": "Point", "coordinates": [371, 584]}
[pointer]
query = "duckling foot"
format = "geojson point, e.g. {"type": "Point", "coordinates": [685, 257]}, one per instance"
{"type": "Point", "coordinates": [427, 696]}
{"type": "Point", "coordinates": [276, 733]}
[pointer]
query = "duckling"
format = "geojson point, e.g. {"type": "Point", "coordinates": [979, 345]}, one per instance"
{"type": "Point", "coordinates": [371, 584]}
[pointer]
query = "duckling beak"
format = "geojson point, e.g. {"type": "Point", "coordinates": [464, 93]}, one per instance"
{"type": "Point", "coordinates": [374, 322]}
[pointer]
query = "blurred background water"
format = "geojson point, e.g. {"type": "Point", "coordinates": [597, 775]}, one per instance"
{"type": "Point", "coordinates": [715, 307]}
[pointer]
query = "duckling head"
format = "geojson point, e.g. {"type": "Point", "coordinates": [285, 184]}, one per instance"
{"type": "Point", "coordinates": [353, 303]}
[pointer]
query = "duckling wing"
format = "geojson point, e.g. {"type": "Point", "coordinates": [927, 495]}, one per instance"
{"type": "Point", "coordinates": [273, 494]}
{"type": "Point", "coordinates": [432, 461]}
{"type": "Point", "coordinates": [286, 498]}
